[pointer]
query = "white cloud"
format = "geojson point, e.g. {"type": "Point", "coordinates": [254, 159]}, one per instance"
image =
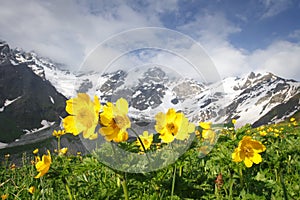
{"type": "Point", "coordinates": [212, 27]}
{"type": "Point", "coordinates": [64, 30]}
{"type": "Point", "coordinates": [281, 58]}
{"type": "Point", "coordinates": [159, 46]}
{"type": "Point", "coordinates": [274, 7]}
{"type": "Point", "coordinates": [212, 30]}
{"type": "Point", "coordinates": [67, 31]}
{"type": "Point", "coordinates": [295, 35]}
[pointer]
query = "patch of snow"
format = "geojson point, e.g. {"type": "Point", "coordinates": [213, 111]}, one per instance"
{"type": "Point", "coordinates": [3, 145]}
{"type": "Point", "coordinates": [51, 99]}
{"type": "Point", "coordinates": [13, 62]}
{"type": "Point", "coordinates": [45, 124]}
{"type": "Point", "coordinates": [8, 102]}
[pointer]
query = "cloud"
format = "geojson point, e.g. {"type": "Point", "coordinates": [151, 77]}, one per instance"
{"type": "Point", "coordinates": [68, 31]}
{"type": "Point", "coordinates": [64, 30]}
{"type": "Point", "coordinates": [157, 46]}
{"type": "Point", "coordinates": [295, 35]}
{"type": "Point", "coordinates": [213, 31]}
{"type": "Point", "coordinates": [210, 27]}
{"type": "Point", "coordinates": [274, 7]}
{"type": "Point", "coordinates": [281, 58]}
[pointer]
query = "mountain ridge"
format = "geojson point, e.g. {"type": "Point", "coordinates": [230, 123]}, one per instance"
{"type": "Point", "coordinates": [32, 99]}
{"type": "Point", "coordinates": [251, 99]}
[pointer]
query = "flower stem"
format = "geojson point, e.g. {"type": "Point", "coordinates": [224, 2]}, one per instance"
{"type": "Point", "coordinates": [180, 170]}
{"type": "Point", "coordinates": [241, 177]}
{"type": "Point", "coordinates": [58, 144]}
{"type": "Point", "coordinates": [67, 187]}
{"type": "Point", "coordinates": [140, 142]}
{"type": "Point", "coordinates": [231, 181]}
{"type": "Point", "coordinates": [138, 138]}
{"type": "Point", "coordinates": [124, 186]}
{"type": "Point", "coordinates": [173, 181]}
{"type": "Point", "coordinates": [217, 192]}
{"type": "Point", "coordinates": [69, 191]}
{"type": "Point", "coordinates": [283, 186]}
{"type": "Point", "coordinates": [42, 191]}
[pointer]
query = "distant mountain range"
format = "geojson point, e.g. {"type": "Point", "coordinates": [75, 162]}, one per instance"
{"type": "Point", "coordinates": [33, 90]}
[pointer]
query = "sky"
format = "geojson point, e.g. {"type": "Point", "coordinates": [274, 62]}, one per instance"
{"type": "Point", "coordinates": [238, 36]}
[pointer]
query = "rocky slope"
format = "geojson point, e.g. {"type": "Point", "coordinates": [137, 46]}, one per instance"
{"type": "Point", "coordinates": [26, 99]}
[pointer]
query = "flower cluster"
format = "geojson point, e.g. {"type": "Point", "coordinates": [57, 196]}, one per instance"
{"type": "Point", "coordinates": [86, 115]}
{"type": "Point", "coordinates": [114, 121]}
{"type": "Point", "coordinates": [111, 121]}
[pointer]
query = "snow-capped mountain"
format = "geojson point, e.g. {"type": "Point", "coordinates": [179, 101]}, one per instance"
{"type": "Point", "coordinates": [255, 98]}
{"type": "Point", "coordinates": [27, 101]}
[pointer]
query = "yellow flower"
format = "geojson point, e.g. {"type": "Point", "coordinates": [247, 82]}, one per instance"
{"type": "Point", "coordinates": [4, 196]}
{"type": "Point", "coordinates": [63, 151]}
{"type": "Point", "coordinates": [35, 151]}
{"type": "Point", "coordinates": [248, 150]}
{"type": "Point", "coordinates": [263, 133]}
{"type": "Point", "coordinates": [31, 190]}
{"type": "Point", "coordinates": [233, 121]}
{"type": "Point", "coordinates": [295, 123]}
{"type": "Point", "coordinates": [7, 156]}
{"type": "Point", "coordinates": [261, 128]}
{"type": "Point", "coordinates": [209, 135]}
{"type": "Point", "coordinates": [58, 133]}
{"type": "Point", "coordinates": [84, 116]}
{"type": "Point", "coordinates": [292, 119]}
{"type": "Point", "coordinates": [42, 166]}
{"type": "Point", "coordinates": [114, 121]}
{"type": "Point", "coordinates": [207, 132]}
{"type": "Point", "coordinates": [146, 140]}
{"type": "Point", "coordinates": [205, 125]}
{"type": "Point", "coordinates": [13, 166]}
{"type": "Point", "coordinates": [173, 125]}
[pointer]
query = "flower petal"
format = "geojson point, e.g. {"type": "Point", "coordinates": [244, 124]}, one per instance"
{"type": "Point", "coordinates": [122, 106]}
{"type": "Point", "coordinates": [167, 138]}
{"type": "Point", "coordinates": [248, 162]}
{"type": "Point", "coordinates": [70, 125]}
{"type": "Point", "coordinates": [205, 125]}
{"type": "Point", "coordinates": [256, 158]}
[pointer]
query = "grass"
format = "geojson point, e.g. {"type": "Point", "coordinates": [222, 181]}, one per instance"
{"type": "Point", "coordinates": [192, 176]}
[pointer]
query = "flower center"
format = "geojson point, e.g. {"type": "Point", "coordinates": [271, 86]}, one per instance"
{"type": "Point", "coordinates": [172, 128]}
{"type": "Point", "coordinates": [86, 117]}
{"type": "Point", "coordinates": [248, 151]}
{"type": "Point", "coordinates": [122, 122]}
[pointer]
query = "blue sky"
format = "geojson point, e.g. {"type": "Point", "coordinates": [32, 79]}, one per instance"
{"type": "Point", "coordinates": [239, 36]}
